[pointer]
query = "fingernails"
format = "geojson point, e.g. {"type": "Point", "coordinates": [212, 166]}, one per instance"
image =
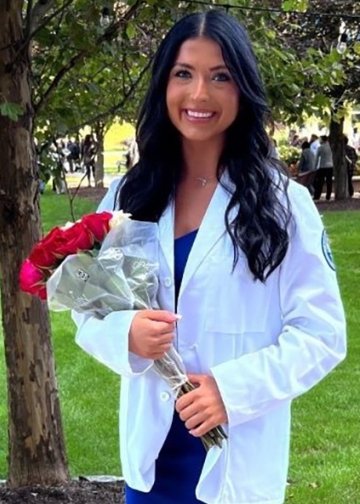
{"type": "Point", "coordinates": [178, 316]}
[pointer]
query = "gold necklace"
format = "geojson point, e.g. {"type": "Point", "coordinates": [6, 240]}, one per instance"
{"type": "Point", "coordinates": [204, 180]}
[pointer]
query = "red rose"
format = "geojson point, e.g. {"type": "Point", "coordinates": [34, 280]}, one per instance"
{"type": "Point", "coordinates": [76, 238]}
{"type": "Point", "coordinates": [97, 224]}
{"type": "Point", "coordinates": [45, 253]}
{"type": "Point", "coordinates": [32, 280]}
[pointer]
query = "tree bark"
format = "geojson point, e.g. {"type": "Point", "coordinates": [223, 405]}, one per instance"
{"type": "Point", "coordinates": [336, 138]}
{"type": "Point", "coordinates": [99, 167]}
{"type": "Point", "coordinates": [36, 444]}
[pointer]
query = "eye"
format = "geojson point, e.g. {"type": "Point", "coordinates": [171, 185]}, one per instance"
{"type": "Point", "coordinates": [182, 74]}
{"type": "Point", "coordinates": [222, 77]}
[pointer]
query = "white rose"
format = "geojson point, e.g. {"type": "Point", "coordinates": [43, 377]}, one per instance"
{"type": "Point", "coordinates": [118, 217]}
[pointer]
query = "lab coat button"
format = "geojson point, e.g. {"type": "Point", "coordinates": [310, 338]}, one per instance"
{"type": "Point", "coordinates": [164, 396]}
{"type": "Point", "coordinates": [167, 282]}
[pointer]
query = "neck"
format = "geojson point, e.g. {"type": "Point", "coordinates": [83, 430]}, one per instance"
{"type": "Point", "coordinates": [201, 159]}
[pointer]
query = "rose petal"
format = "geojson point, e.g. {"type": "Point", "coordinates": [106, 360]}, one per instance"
{"type": "Point", "coordinates": [45, 253]}
{"type": "Point", "coordinates": [77, 238]}
{"type": "Point", "coordinates": [31, 279]}
{"type": "Point", "coordinates": [97, 224]}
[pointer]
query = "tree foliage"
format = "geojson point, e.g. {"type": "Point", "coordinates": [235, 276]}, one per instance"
{"type": "Point", "coordinates": [318, 33]}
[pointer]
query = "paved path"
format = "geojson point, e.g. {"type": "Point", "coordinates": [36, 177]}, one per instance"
{"type": "Point", "coordinates": [73, 179]}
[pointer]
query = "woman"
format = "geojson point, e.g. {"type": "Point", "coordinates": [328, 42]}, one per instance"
{"type": "Point", "coordinates": [245, 262]}
{"type": "Point", "coordinates": [88, 153]}
{"type": "Point", "coordinates": [307, 159]}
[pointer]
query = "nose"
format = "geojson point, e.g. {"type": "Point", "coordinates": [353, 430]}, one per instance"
{"type": "Point", "coordinates": [200, 91]}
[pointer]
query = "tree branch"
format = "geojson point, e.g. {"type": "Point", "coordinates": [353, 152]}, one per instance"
{"type": "Point", "coordinates": [46, 62]}
{"type": "Point", "coordinates": [109, 34]}
{"type": "Point", "coordinates": [36, 27]}
{"type": "Point", "coordinates": [39, 11]}
{"type": "Point", "coordinates": [115, 108]}
{"type": "Point", "coordinates": [29, 13]}
{"type": "Point", "coordinates": [40, 8]}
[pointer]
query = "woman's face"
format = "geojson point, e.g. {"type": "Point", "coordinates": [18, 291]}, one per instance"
{"type": "Point", "coordinates": [202, 98]}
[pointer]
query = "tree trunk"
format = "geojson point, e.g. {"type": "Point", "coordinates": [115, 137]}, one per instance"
{"type": "Point", "coordinates": [99, 167]}
{"type": "Point", "coordinates": [337, 147]}
{"type": "Point", "coordinates": [36, 445]}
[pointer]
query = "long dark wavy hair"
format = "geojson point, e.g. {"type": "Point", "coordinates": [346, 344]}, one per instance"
{"type": "Point", "coordinates": [260, 228]}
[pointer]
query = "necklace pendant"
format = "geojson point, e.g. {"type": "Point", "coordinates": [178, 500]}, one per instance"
{"type": "Point", "coordinates": [203, 181]}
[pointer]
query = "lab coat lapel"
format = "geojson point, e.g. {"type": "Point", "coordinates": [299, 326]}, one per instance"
{"type": "Point", "coordinates": [166, 236]}
{"type": "Point", "coordinates": [211, 229]}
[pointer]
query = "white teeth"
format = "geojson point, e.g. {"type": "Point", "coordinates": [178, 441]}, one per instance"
{"type": "Point", "coordinates": [199, 115]}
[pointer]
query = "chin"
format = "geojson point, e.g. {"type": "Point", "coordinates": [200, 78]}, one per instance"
{"type": "Point", "coordinates": [198, 136]}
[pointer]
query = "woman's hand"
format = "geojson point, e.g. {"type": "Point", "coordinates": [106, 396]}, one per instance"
{"type": "Point", "coordinates": [151, 333]}
{"type": "Point", "coordinates": [202, 409]}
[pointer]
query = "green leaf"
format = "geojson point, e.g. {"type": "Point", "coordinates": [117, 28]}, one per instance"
{"type": "Point", "coordinates": [11, 110]}
{"type": "Point", "coordinates": [356, 48]}
{"type": "Point", "coordinates": [292, 5]}
{"type": "Point", "coordinates": [271, 34]}
{"type": "Point", "coordinates": [130, 31]}
{"type": "Point", "coordinates": [287, 5]}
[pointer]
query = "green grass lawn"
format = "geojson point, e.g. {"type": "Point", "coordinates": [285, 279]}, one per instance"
{"type": "Point", "coordinates": [325, 442]}
{"type": "Point", "coordinates": [89, 393]}
{"type": "Point", "coordinates": [55, 208]}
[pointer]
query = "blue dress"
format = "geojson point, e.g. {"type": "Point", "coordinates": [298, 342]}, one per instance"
{"type": "Point", "coordinates": [180, 461]}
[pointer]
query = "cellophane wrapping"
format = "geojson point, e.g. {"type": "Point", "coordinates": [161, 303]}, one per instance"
{"type": "Point", "coordinates": [121, 275]}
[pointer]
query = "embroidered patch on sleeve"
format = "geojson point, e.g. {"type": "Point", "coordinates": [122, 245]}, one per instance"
{"type": "Point", "coordinates": [325, 245]}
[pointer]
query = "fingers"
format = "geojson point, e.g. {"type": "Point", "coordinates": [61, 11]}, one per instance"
{"type": "Point", "coordinates": [162, 321]}
{"type": "Point", "coordinates": [192, 417]}
{"type": "Point", "coordinates": [162, 327]}
{"type": "Point", "coordinates": [160, 354]}
{"type": "Point", "coordinates": [162, 316]}
{"type": "Point", "coordinates": [151, 348]}
{"type": "Point", "coordinates": [196, 379]}
{"type": "Point", "coordinates": [164, 340]}
{"type": "Point", "coordinates": [195, 421]}
{"type": "Point", "coordinates": [189, 406]}
{"type": "Point", "coordinates": [203, 428]}
{"type": "Point", "coordinates": [199, 422]}
{"type": "Point", "coordinates": [202, 409]}
{"type": "Point", "coordinates": [151, 333]}
{"type": "Point", "coordinates": [185, 400]}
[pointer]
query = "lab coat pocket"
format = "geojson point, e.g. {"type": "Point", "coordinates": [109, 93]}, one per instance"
{"type": "Point", "coordinates": [235, 302]}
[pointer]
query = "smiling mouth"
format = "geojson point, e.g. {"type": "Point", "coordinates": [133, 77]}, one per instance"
{"type": "Point", "coordinates": [198, 115]}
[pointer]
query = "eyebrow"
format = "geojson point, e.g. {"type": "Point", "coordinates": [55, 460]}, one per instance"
{"type": "Point", "coordinates": [186, 65]}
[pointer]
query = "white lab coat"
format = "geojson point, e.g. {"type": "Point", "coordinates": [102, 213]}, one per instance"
{"type": "Point", "coordinates": [264, 344]}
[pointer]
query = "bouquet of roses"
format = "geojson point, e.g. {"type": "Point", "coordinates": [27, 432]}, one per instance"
{"type": "Point", "coordinates": [105, 262]}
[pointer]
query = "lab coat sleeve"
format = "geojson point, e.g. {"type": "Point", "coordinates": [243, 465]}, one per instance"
{"type": "Point", "coordinates": [108, 201]}
{"type": "Point", "coordinates": [313, 337]}
{"type": "Point", "coordinates": [107, 339]}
